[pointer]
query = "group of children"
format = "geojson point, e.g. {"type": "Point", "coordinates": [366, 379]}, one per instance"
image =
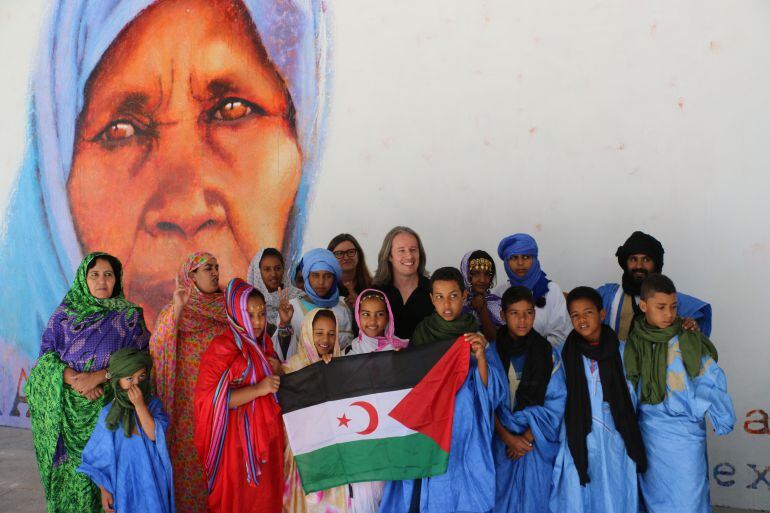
{"type": "Point", "coordinates": [587, 425]}
{"type": "Point", "coordinates": [565, 422]}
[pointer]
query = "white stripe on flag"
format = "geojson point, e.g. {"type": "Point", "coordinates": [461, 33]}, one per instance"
{"type": "Point", "coordinates": [322, 425]}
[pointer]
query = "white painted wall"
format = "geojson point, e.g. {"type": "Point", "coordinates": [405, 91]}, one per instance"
{"type": "Point", "coordinates": [577, 121]}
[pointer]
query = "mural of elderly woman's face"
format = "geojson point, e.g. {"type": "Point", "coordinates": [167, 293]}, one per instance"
{"type": "Point", "coordinates": [186, 142]}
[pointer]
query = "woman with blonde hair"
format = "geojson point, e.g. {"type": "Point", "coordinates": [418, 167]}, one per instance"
{"type": "Point", "coordinates": [402, 277]}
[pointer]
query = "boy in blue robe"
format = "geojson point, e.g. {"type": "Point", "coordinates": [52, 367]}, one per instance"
{"type": "Point", "coordinates": [528, 410]}
{"type": "Point", "coordinates": [601, 445]}
{"type": "Point", "coordinates": [678, 383]}
{"type": "Point", "coordinates": [127, 456]}
{"type": "Point", "coordinates": [468, 486]}
{"type": "Point", "coordinates": [640, 256]}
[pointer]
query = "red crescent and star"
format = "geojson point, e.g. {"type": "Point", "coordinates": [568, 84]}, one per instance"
{"type": "Point", "coordinates": [373, 418]}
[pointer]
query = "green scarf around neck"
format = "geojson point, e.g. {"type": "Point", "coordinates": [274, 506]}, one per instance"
{"type": "Point", "coordinates": [124, 363]}
{"type": "Point", "coordinates": [82, 304]}
{"type": "Point", "coordinates": [434, 328]}
{"type": "Point", "coordinates": [646, 356]}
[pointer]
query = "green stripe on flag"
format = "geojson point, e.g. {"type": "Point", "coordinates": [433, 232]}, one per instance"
{"type": "Point", "coordinates": [384, 459]}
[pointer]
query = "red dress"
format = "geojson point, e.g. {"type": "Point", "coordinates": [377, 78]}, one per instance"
{"type": "Point", "coordinates": [222, 435]}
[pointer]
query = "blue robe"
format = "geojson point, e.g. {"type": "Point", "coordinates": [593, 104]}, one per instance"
{"type": "Point", "coordinates": [135, 470]}
{"type": "Point", "coordinates": [688, 306]}
{"type": "Point", "coordinates": [613, 486]}
{"type": "Point", "coordinates": [674, 433]}
{"type": "Point", "coordinates": [524, 485]}
{"type": "Point", "coordinates": [468, 486]}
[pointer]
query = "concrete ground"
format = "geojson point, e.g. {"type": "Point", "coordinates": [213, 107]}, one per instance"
{"type": "Point", "coordinates": [20, 490]}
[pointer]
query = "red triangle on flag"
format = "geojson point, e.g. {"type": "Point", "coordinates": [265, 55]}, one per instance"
{"type": "Point", "coordinates": [429, 407]}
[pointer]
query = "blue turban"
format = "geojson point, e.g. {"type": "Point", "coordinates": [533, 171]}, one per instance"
{"type": "Point", "coordinates": [322, 260]}
{"type": "Point", "coordinates": [523, 244]}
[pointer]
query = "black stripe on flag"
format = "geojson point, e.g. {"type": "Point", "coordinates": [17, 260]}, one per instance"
{"type": "Point", "coordinates": [360, 374]}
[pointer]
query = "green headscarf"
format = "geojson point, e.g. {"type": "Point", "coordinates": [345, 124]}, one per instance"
{"type": "Point", "coordinates": [434, 328]}
{"type": "Point", "coordinates": [81, 303]}
{"type": "Point", "coordinates": [123, 363]}
{"type": "Point", "coordinates": [646, 356]}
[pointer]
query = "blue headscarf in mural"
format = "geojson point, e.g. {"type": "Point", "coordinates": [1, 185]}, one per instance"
{"type": "Point", "coordinates": [40, 249]}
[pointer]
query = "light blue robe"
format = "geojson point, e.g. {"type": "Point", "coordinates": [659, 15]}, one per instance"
{"type": "Point", "coordinates": [688, 306]}
{"type": "Point", "coordinates": [613, 486]}
{"type": "Point", "coordinates": [674, 433]}
{"type": "Point", "coordinates": [524, 485]}
{"type": "Point", "coordinates": [468, 486]}
{"type": "Point", "coordinates": [135, 470]}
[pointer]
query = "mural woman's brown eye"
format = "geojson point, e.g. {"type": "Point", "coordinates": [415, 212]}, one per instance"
{"type": "Point", "coordinates": [233, 109]}
{"type": "Point", "coordinates": [118, 131]}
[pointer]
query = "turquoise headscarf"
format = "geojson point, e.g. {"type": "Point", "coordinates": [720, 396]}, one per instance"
{"type": "Point", "coordinates": [320, 259]}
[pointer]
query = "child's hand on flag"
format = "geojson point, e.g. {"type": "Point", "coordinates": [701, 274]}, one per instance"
{"type": "Point", "coordinates": [269, 385]}
{"type": "Point", "coordinates": [478, 344]}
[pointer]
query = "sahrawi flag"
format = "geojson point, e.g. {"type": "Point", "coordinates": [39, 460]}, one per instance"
{"type": "Point", "coordinates": [374, 417]}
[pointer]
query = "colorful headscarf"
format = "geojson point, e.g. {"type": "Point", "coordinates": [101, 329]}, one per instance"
{"type": "Point", "coordinates": [271, 298]}
{"type": "Point", "coordinates": [123, 363]}
{"type": "Point", "coordinates": [523, 244]}
{"type": "Point", "coordinates": [379, 343]}
{"type": "Point", "coordinates": [494, 303]}
{"type": "Point", "coordinates": [253, 349]}
{"type": "Point", "coordinates": [200, 304]}
{"type": "Point", "coordinates": [297, 40]}
{"type": "Point", "coordinates": [236, 299]}
{"type": "Point", "coordinates": [322, 260]}
{"type": "Point", "coordinates": [82, 304]}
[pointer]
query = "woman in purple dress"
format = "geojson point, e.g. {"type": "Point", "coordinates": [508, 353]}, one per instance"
{"type": "Point", "coordinates": [69, 385]}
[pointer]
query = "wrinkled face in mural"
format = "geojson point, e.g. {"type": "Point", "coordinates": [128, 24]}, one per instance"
{"type": "Point", "coordinates": [186, 142]}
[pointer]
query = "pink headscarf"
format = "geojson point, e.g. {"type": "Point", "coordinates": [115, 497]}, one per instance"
{"type": "Point", "coordinates": [390, 328]}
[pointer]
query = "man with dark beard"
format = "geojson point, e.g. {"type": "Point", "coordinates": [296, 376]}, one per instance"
{"type": "Point", "coordinates": [640, 256]}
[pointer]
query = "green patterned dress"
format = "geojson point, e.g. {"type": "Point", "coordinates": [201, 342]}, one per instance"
{"type": "Point", "coordinates": [82, 334]}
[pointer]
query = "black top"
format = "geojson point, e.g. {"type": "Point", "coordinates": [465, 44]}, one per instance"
{"type": "Point", "coordinates": [408, 315]}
